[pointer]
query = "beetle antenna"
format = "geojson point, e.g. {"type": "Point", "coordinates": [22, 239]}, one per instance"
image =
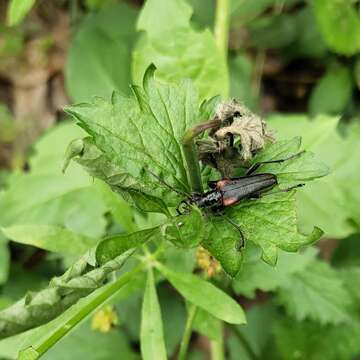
{"type": "Point", "coordinates": [167, 185]}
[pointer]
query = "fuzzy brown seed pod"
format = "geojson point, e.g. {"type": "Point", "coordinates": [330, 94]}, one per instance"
{"type": "Point", "coordinates": [219, 150]}
{"type": "Point", "coordinates": [250, 128]}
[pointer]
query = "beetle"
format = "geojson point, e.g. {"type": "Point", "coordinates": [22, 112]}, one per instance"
{"type": "Point", "coordinates": [228, 192]}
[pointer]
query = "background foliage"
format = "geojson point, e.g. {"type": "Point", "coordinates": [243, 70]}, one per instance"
{"type": "Point", "coordinates": [294, 62]}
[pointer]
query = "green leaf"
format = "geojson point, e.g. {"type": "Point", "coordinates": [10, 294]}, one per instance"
{"type": "Point", "coordinates": [308, 34]}
{"type": "Point", "coordinates": [205, 295]}
{"type": "Point", "coordinates": [347, 252]}
{"type": "Point", "coordinates": [99, 57]}
{"type": "Point", "coordinates": [222, 241]}
{"type": "Point", "coordinates": [335, 193]}
{"type": "Point", "coordinates": [45, 196]}
{"type": "Point", "coordinates": [94, 345]}
{"type": "Point", "coordinates": [152, 335]}
{"type": "Point", "coordinates": [64, 324]}
{"type": "Point", "coordinates": [323, 298]}
{"type": "Point", "coordinates": [244, 11]}
{"type": "Point", "coordinates": [357, 72]}
{"type": "Point", "coordinates": [140, 136]}
{"type": "Point", "coordinates": [256, 274]}
{"type": "Point", "coordinates": [339, 23]}
{"type": "Point", "coordinates": [250, 341]}
{"type": "Point", "coordinates": [275, 31]}
{"type": "Point", "coordinates": [333, 92]}
{"type": "Point", "coordinates": [17, 10]}
{"type": "Point", "coordinates": [116, 245]}
{"type": "Point", "coordinates": [4, 261]}
{"type": "Point", "coordinates": [50, 237]}
{"type": "Point", "coordinates": [208, 325]}
{"type": "Point", "coordinates": [186, 231]}
{"type": "Point", "coordinates": [177, 50]}
{"type": "Point", "coordinates": [276, 213]}
{"type": "Point", "coordinates": [38, 308]}
{"type": "Point", "coordinates": [310, 340]}
{"type": "Point", "coordinates": [241, 76]}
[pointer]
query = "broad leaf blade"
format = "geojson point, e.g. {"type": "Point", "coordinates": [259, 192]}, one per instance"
{"type": "Point", "coordinates": [271, 223]}
{"type": "Point", "coordinates": [101, 51]}
{"type": "Point", "coordinates": [335, 193]}
{"type": "Point", "coordinates": [339, 23]}
{"type": "Point", "coordinates": [17, 10]}
{"type": "Point", "coordinates": [116, 245]}
{"type": "Point", "coordinates": [152, 334]}
{"type": "Point", "coordinates": [317, 293]}
{"type": "Point", "coordinates": [136, 134]}
{"type": "Point", "coordinates": [177, 50]}
{"type": "Point", "coordinates": [50, 237]}
{"type": "Point", "coordinates": [206, 295]}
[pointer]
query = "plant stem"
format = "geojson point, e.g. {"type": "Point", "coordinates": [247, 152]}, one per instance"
{"type": "Point", "coordinates": [222, 24]}
{"type": "Point", "coordinates": [244, 342]}
{"type": "Point", "coordinates": [217, 347]}
{"type": "Point", "coordinates": [191, 155]}
{"type": "Point", "coordinates": [104, 295]}
{"type": "Point", "coordinates": [187, 332]}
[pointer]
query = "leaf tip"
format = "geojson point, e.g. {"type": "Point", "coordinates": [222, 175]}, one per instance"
{"type": "Point", "coordinates": [149, 75]}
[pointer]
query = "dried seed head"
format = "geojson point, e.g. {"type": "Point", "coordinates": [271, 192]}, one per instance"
{"type": "Point", "coordinates": [252, 132]}
{"type": "Point", "coordinates": [219, 150]}
{"type": "Point", "coordinates": [229, 109]}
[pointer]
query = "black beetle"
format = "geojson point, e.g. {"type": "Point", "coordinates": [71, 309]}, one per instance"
{"type": "Point", "coordinates": [227, 192]}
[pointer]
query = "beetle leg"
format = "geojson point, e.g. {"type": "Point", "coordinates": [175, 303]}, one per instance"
{"type": "Point", "coordinates": [281, 190]}
{"type": "Point", "coordinates": [241, 244]}
{"type": "Point", "coordinates": [183, 208]}
{"type": "Point", "coordinates": [256, 166]}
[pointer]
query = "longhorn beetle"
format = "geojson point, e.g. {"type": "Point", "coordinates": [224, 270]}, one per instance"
{"type": "Point", "coordinates": [227, 192]}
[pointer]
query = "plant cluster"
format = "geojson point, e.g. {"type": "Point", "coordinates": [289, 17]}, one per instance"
{"type": "Point", "coordinates": [123, 272]}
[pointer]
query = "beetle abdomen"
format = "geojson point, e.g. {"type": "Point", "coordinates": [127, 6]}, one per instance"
{"type": "Point", "coordinates": [234, 190]}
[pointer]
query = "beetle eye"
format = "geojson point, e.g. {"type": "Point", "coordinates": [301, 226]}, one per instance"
{"type": "Point", "coordinates": [237, 114]}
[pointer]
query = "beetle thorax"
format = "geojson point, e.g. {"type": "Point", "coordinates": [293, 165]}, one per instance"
{"type": "Point", "coordinates": [209, 199]}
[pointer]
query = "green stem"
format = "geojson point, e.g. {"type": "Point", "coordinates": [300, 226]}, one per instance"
{"type": "Point", "coordinates": [110, 290]}
{"type": "Point", "coordinates": [191, 155]}
{"type": "Point", "coordinates": [222, 25]}
{"type": "Point", "coordinates": [217, 348]}
{"type": "Point", "coordinates": [187, 332]}
{"type": "Point", "coordinates": [244, 343]}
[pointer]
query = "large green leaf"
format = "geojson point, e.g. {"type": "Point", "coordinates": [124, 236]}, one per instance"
{"type": "Point", "coordinates": [205, 295]}
{"type": "Point", "coordinates": [310, 340]}
{"type": "Point", "coordinates": [317, 293]}
{"type": "Point", "coordinates": [339, 22]}
{"type": "Point", "coordinates": [335, 193]}
{"type": "Point", "coordinates": [4, 261]}
{"type": "Point", "coordinates": [152, 334]}
{"type": "Point", "coordinates": [256, 274]}
{"type": "Point", "coordinates": [17, 10]}
{"type": "Point", "coordinates": [46, 196]}
{"type": "Point", "coordinates": [38, 308]}
{"type": "Point", "coordinates": [126, 133]}
{"type": "Point", "coordinates": [99, 57]}
{"type": "Point", "coordinates": [65, 323]}
{"type": "Point", "coordinates": [116, 245]}
{"type": "Point", "coordinates": [50, 237]}
{"type": "Point", "coordinates": [177, 50]}
{"type": "Point", "coordinates": [333, 92]}
{"type": "Point", "coordinates": [143, 132]}
{"type": "Point", "coordinates": [273, 31]}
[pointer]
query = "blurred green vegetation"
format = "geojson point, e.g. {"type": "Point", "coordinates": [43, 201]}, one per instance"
{"type": "Point", "coordinates": [295, 62]}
